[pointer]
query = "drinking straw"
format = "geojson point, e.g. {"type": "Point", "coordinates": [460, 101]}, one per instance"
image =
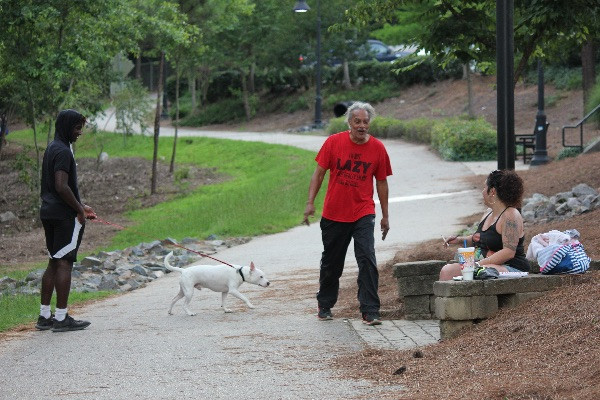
{"type": "Point", "coordinates": [465, 242]}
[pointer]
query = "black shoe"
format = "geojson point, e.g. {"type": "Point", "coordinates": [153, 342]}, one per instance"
{"type": "Point", "coordinates": [324, 314]}
{"type": "Point", "coordinates": [69, 324]}
{"type": "Point", "coordinates": [371, 319]}
{"type": "Point", "coordinates": [43, 324]}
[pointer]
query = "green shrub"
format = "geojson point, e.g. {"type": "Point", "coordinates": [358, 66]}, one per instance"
{"type": "Point", "coordinates": [336, 125]}
{"type": "Point", "coordinates": [464, 140]}
{"type": "Point", "coordinates": [562, 77]}
{"type": "Point", "coordinates": [185, 107]}
{"type": "Point", "coordinates": [567, 152]}
{"type": "Point", "coordinates": [217, 113]}
{"type": "Point", "coordinates": [300, 103]}
{"type": "Point", "coordinates": [592, 102]}
{"type": "Point", "coordinates": [418, 130]}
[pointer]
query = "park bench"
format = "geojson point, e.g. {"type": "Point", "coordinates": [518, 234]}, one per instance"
{"type": "Point", "coordinates": [527, 142]}
{"type": "Point", "coordinates": [460, 304]}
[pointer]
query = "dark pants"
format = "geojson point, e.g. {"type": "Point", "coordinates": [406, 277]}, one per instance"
{"type": "Point", "coordinates": [336, 239]}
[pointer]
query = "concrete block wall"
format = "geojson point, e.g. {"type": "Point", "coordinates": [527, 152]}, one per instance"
{"type": "Point", "coordinates": [460, 304]}
{"type": "Point", "coordinates": [415, 286]}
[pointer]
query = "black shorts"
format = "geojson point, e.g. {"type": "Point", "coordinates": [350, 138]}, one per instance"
{"type": "Point", "coordinates": [63, 237]}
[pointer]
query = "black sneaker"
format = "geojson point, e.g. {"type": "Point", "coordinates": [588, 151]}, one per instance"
{"type": "Point", "coordinates": [324, 314]}
{"type": "Point", "coordinates": [43, 324]}
{"type": "Point", "coordinates": [371, 319]}
{"type": "Point", "coordinates": [69, 324]}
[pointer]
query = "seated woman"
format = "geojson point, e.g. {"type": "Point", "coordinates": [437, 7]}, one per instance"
{"type": "Point", "coordinates": [500, 234]}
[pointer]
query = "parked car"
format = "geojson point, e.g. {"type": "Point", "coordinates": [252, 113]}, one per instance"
{"type": "Point", "coordinates": [378, 50]}
{"type": "Point", "coordinates": [371, 50]}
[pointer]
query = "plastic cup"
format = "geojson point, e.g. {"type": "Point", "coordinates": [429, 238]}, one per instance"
{"type": "Point", "coordinates": [466, 258]}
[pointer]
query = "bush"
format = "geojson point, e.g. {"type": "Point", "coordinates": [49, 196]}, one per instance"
{"type": "Point", "coordinates": [592, 102]}
{"type": "Point", "coordinates": [562, 77]}
{"type": "Point", "coordinates": [567, 152]}
{"type": "Point", "coordinates": [464, 140]}
{"type": "Point", "coordinates": [217, 113]}
{"type": "Point", "coordinates": [185, 107]}
{"type": "Point", "coordinates": [418, 130]}
{"type": "Point", "coordinates": [300, 103]}
{"type": "Point", "coordinates": [336, 125]}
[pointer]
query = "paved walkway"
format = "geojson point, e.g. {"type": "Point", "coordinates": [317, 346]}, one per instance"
{"type": "Point", "coordinates": [279, 350]}
{"type": "Point", "coordinates": [398, 334]}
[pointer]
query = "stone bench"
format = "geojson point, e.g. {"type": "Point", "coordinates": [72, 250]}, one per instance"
{"type": "Point", "coordinates": [415, 287]}
{"type": "Point", "coordinates": [459, 304]}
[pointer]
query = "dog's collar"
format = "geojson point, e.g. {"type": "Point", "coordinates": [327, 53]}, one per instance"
{"type": "Point", "coordinates": [241, 274]}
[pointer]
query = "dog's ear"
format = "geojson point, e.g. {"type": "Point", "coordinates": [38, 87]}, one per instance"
{"type": "Point", "coordinates": [252, 266]}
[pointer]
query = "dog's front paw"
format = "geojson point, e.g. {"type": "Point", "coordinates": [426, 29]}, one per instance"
{"type": "Point", "coordinates": [227, 310]}
{"type": "Point", "coordinates": [250, 305]}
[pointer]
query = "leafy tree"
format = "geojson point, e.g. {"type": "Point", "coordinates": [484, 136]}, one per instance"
{"type": "Point", "coordinates": [211, 18]}
{"type": "Point", "coordinates": [55, 54]}
{"type": "Point", "coordinates": [466, 29]}
{"type": "Point", "coordinates": [164, 30]}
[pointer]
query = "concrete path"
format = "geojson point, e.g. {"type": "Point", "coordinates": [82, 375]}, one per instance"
{"type": "Point", "coordinates": [279, 350]}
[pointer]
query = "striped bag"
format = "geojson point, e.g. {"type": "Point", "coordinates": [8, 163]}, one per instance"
{"type": "Point", "coordinates": [563, 259]}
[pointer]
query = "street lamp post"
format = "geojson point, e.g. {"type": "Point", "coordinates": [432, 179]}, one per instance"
{"type": "Point", "coordinates": [505, 89]}
{"type": "Point", "coordinates": [302, 7]}
{"type": "Point", "coordinates": [540, 153]}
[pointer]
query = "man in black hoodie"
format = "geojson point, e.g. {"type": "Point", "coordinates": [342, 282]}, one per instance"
{"type": "Point", "coordinates": [63, 216]}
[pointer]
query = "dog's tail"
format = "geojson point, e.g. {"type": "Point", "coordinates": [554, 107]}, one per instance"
{"type": "Point", "coordinates": [169, 266]}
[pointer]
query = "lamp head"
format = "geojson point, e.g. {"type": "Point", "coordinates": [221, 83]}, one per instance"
{"type": "Point", "coordinates": [301, 6]}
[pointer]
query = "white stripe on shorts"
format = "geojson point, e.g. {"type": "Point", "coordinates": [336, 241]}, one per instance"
{"type": "Point", "coordinates": [71, 246]}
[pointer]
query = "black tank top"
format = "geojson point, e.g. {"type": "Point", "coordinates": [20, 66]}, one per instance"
{"type": "Point", "coordinates": [490, 239]}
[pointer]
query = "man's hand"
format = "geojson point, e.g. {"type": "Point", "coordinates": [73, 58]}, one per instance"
{"type": "Point", "coordinates": [385, 227]}
{"type": "Point", "coordinates": [89, 213]}
{"type": "Point", "coordinates": [308, 211]}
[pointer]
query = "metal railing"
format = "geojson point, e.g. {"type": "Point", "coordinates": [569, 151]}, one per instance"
{"type": "Point", "coordinates": [580, 126]}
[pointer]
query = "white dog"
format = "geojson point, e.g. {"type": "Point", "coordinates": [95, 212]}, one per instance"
{"type": "Point", "coordinates": [219, 278]}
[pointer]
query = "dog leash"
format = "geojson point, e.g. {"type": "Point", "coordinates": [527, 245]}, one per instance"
{"type": "Point", "coordinates": [100, 220]}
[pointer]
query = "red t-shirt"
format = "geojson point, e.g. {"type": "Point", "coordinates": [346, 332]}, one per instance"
{"type": "Point", "coordinates": [351, 168]}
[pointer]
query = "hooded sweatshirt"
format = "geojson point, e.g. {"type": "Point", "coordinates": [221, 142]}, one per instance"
{"type": "Point", "coordinates": [59, 157]}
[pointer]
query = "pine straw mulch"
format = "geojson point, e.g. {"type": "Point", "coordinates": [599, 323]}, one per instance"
{"type": "Point", "coordinates": [544, 349]}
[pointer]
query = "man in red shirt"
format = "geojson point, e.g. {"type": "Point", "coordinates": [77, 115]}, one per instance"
{"type": "Point", "coordinates": [353, 159]}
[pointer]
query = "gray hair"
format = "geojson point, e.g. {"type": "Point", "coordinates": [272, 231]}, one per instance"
{"type": "Point", "coordinates": [359, 105]}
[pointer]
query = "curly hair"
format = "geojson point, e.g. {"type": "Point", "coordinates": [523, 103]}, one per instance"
{"type": "Point", "coordinates": [508, 185]}
{"type": "Point", "coordinates": [359, 105]}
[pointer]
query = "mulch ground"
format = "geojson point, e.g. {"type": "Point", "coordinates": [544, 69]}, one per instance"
{"type": "Point", "coordinates": [544, 349]}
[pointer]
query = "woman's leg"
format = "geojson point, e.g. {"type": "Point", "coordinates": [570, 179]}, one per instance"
{"type": "Point", "coordinates": [449, 271]}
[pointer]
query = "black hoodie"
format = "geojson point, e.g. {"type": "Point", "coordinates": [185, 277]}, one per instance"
{"type": "Point", "coordinates": [59, 156]}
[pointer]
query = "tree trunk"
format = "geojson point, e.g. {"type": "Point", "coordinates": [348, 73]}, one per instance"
{"type": "Point", "coordinates": [245, 95]}
{"type": "Point", "coordinates": [157, 123]}
{"type": "Point", "coordinates": [527, 51]}
{"type": "Point", "coordinates": [176, 122]}
{"type": "Point", "coordinates": [346, 81]}
{"type": "Point", "coordinates": [251, 86]}
{"type": "Point", "coordinates": [49, 139]}
{"type": "Point", "coordinates": [35, 143]}
{"type": "Point", "coordinates": [138, 67]}
{"type": "Point", "coordinates": [588, 70]}
{"type": "Point", "coordinates": [467, 69]}
{"type": "Point", "coordinates": [3, 128]}
{"type": "Point", "coordinates": [192, 89]}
